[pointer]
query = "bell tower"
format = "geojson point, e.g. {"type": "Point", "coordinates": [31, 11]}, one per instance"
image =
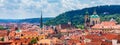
{"type": "Point", "coordinates": [41, 21]}
{"type": "Point", "coordinates": [41, 25]}
{"type": "Point", "coordinates": [87, 21]}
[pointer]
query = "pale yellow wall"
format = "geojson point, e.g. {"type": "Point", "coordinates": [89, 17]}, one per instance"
{"type": "Point", "coordinates": [96, 20]}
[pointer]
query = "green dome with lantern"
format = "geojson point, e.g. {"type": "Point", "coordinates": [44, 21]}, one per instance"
{"type": "Point", "coordinates": [18, 31]}
{"type": "Point", "coordinates": [94, 16]}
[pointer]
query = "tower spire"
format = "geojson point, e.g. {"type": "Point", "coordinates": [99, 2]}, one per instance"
{"type": "Point", "coordinates": [41, 21]}
{"type": "Point", "coordinates": [86, 13]}
{"type": "Point", "coordinates": [94, 11]}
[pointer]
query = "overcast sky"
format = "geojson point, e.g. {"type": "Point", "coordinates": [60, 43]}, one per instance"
{"type": "Point", "coordinates": [20, 9]}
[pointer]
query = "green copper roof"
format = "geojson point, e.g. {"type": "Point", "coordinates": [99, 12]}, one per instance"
{"type": "Point", "coordinates": [86, 13]}
{"type": "Point", "coordinates": [18, 31]}
{"type": "Point", "coordinates": [94, 16]}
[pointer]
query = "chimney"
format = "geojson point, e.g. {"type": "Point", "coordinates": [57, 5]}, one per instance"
{"type": "Point", "coordinates": [69, 23]}
{"type": "Point", "coordinates": [114, 42]}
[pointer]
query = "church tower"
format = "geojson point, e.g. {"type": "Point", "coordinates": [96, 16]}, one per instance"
{"type": "Point", "coordinates": [41, 25]}
{"type": "Point", "coordinates": [94, 19]}
{"type": "Point", "coordinates": [41, 21]}
{"type": "Point", "coordinates": [87, 20]}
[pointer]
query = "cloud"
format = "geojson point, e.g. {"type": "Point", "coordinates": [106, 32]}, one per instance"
{"type": "Point", "coordinates": [19, 9]}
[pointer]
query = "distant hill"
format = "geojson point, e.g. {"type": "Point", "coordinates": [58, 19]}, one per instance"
{"type": "Point", "coordinates": [77, 16]}
{"type": "Point", "coordinates": [30, 20]}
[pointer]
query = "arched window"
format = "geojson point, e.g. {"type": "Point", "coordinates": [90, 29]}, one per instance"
{"type": "Point", "coordinates": [87, 20]}
{"type": "Point", "coordinates": [93, 22]}
{"type": "Point", "coordinates": [96, 22]}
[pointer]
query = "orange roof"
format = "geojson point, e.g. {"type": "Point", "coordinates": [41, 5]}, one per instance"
{"type": "Point", "coordinates": [94, 43]}
{"type": "Point", "coordinates": [106, 24]}
{"type": "Point", "coordinates": [97, 26]}
{"type": "Point", "coordinates": [24, 34]}
{"type": "Point", "coordinates": [63, 31]}
{"type": "Point", "coordinates": [95, 30]}
{"type": "Point", "coordinates": [110, 36]}
{"type": "Point", "coordinates": [99, 38]}
{"type": "Point", "coordinates": [48, 41]}
{"type": "Point", "coordinates": [3, 33]}
{"type": "Point", "coordinates": [49, 31]}
{"type": "Point", "coordinates": [78, 43]}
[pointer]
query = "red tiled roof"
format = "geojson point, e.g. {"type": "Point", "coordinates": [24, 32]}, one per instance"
{"type": "Point", "coordinates": [99, 38]}
{"type": "Point", "coordinates": [94, 43]}
{"type": "Point", "coordinates": [106, 24]}
{"type": "Point", "coordinates": [3, 33]}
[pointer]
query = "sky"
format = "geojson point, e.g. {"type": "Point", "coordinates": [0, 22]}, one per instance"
{"type": "Point", "coordinates": [21, 9]}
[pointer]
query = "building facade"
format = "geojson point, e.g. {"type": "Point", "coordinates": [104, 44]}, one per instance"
{"type": "Point", "coordinates": [87, 21]}
{"type": "Point", "coordinates": [91, 20]}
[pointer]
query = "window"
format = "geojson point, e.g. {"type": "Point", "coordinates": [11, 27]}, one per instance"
{"type": "Point", "coordinates": [93, 22]}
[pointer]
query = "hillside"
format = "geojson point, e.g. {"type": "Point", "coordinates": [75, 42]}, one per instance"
{"type": "Point", "coordinates": [77, 16]}
{"type": "Point", "coordinates": [30, 20]}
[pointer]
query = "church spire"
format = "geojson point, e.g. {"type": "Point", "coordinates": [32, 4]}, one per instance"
{"type": "Point", "coordinates": [94, 12]}
{"type": "Point", "coordinates": [41, 21]}
{"type": "Point", "coordinates": [86, 13]}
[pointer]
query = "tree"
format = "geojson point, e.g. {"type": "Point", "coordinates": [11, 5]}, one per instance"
{"type": "Point", "coordinates": [33, 41]}
{"type": "Point", "coordinates": [2, 39]}
{"type": "Point", "coordinates": [77, 16]}
{"type": "Point", "coordinates": [80, 26]}
{"type": "Point", "coordinates": [1, 27]}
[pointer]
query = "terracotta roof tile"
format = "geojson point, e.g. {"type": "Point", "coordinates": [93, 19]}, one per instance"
{"type": "Point", "coordinates": [94, 43]}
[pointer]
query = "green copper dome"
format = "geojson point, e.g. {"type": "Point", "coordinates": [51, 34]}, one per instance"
{"type": "Point", "coordinates": [94, 16]}
{"type": "Point", "coordinates": [18, 31]}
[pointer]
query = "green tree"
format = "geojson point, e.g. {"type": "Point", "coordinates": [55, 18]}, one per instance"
{"type": "Point", "coordinates": [1, 27]}
{"type": "Point", "coordinates": [2, 39]}
{"type": "Point", "coordinates": [80, 26]}
{"type": "Point", "coordinates": [33, 41]}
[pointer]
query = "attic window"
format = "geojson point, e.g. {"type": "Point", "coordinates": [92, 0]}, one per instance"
{"type": "Point", "coordinates": [21, 34]}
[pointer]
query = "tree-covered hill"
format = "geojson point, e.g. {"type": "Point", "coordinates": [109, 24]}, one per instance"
{"type": "Point", "coordinates": [77, 16]}
{"type": "Point", "coordinates": [29, 20]}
